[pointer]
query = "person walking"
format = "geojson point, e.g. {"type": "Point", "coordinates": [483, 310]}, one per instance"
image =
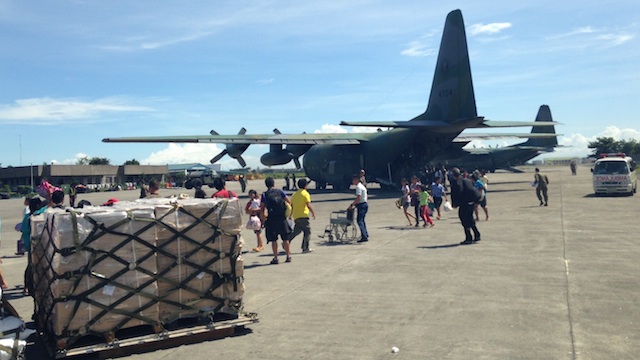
{"type": "Point", "coordinates": [253, 210]}
{"type": "Point", "coordinates": [72, 194]}
{"type": "Point", "coordinates": [361, 204]}
{"type": "Point", "coordinates": [415, 198]}
{"type": "Point", "coordinates": [464, 196]}
{"type": "Point", "coordinates": [287, 182]}
{"type": "Point", "coordinates": [541, 181]}
{"type": "Point", "coordinates": [406, 200]}
{"type": "Point", "coordinates": [273, 208]}
{"type": "Point", "coordinates": [480, 185]}
{"type": "Point", "coordinates": [243, 183]}
{"type": "Point", "coordinates": [143, 189]}
{"type": "Point", "coordinates": [438, 192]}
{"type": "Point", "coordinates": [424, 207]}
{"type": "Point", "coordinates": [301, 203]}
{"type": "Point", "coordinates": [363, 179]}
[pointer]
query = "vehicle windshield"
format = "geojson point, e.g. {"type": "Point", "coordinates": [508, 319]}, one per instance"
{"type": "Point", "coordinates": [611, 167]}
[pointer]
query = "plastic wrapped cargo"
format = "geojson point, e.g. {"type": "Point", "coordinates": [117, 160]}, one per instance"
{"type": "Point", "coordinates": [102, 269]}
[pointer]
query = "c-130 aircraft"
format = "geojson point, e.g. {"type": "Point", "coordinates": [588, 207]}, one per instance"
{"type": "Point", "coordinates": [386, 155]}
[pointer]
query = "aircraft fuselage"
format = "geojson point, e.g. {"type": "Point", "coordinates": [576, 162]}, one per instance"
{"type": "Point", "coordinates": [386, 157]}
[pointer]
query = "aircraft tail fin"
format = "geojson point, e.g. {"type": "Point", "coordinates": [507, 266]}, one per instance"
{"type": "Point", "coordinates": [452, 97]}
{"type": "Point", "coordinates": [544, 114]}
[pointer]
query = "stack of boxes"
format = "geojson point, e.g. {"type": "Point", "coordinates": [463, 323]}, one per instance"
{"type": "Point", "coordinates": [101, 269]}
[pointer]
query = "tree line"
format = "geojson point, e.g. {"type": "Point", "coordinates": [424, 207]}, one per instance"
{"type": "Point", "coordinates": [96, 160]}
{"type": "Point", "coordinates": [604, 145]}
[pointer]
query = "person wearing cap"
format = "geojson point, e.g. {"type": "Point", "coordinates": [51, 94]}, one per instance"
{"type": "Point", "coordinates": [464, 196]}
{"type": "Point", "coordinates": [301, 204]}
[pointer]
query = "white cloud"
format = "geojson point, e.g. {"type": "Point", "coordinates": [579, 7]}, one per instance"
{"type": "Point", "coordinates": [77, 157]}
{"type": "Point", "coordinates": [54, 111]}
{"type": "Point", "coordinates": [596, 36]}
{"type": "Point", "coordinates": [488, 29]}
{"type": "Point", "coordinates": [615, 39]}
{"type": "Point", "coordinates": [574, 145]}
{"type": "Point", "coordinates": [337, 129]}
{"type": "Point", "coordinates": [620, 134]}
{"type": "Point", "coordinates": [183, 153]}
{"type": "Point", "coordinates": [331, 129]}
{"type": "Point", "coordinates": [264, 81]}
{"type": "Point", "coordinates": [418, 48]}
{"type": "Point", "coordinates": [141, 43]}
{"type": "Point", "coordinates": [578, 31]}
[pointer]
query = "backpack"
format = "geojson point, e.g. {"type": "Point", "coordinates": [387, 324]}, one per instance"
{"type": "Point", "coordinates": [275, 203]}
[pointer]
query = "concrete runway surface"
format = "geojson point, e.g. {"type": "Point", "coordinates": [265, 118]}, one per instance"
{"type": "Point", "coordinates": [556, 282]}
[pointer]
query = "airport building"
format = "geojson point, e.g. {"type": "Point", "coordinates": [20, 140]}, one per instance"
{"type": "Point", "coordinates": [93, 176]}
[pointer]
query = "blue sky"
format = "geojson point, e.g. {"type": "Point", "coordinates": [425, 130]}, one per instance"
{"type": "Point", "coordinates": [74, 72]}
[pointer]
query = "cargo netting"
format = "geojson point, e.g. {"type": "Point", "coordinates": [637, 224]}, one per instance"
{"type": "Point", "coordinates": [98, 270]}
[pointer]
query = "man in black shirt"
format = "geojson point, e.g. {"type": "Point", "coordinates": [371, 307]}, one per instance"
{"type": "Point", "coordinates": [464, 196]}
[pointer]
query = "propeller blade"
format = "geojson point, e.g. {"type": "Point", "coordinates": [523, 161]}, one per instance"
{"type": "Point", "coordinates": [213, 132]}
{"type": "Point", "coordinates": [219, 156]}
{"type": "Point", "coordinates": [276, 131]}
{"type": "Point", "coordinates": [242, 131]}
{"type": "Point", "coordinates": [296, 161]}
{"type": "Point", "coordinates": [241, 161]}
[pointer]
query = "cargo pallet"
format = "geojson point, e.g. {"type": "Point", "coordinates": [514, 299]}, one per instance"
{"type": "Point", "coordinates": [153, 339]}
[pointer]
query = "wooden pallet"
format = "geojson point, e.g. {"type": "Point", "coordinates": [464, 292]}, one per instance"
{"type": "Point", "coordinates": [152, 340]}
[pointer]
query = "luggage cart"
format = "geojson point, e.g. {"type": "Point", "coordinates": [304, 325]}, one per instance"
{"type": "Point", "coordinates": [341, 227]}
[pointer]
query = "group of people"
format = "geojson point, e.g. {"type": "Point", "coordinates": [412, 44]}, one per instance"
{"type": "Point", "coordinates": [290, 182]}
{"type": "Point", "coordinates": [417, 195]}
{"type": "Point", "coordinates": [285, 218]}
{"type": "Point", "coordinates": [271, 212]}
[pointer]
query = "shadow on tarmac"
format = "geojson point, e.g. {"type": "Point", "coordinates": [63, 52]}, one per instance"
{"type": "Point", "coordinates": [592, 195]}
{"type": "Point", "coordinates": [433, 247]}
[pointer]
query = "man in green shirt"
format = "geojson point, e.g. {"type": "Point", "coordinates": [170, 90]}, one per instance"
{"type": "Point", "coordinates": [541, 181]}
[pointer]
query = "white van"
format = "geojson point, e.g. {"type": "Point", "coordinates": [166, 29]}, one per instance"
{"type": "Point", "coordinates": [614, 174]}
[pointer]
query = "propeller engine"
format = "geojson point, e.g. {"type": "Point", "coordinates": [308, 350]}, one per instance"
{"type": "Point", "coordinates": [280, 156]}
{"type": "Point", "coordinates": [233, 150]}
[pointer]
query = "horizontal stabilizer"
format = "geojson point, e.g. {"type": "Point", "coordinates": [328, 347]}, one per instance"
{"type": "Point", "coordinates": [397, 124]}
{"type": "Point", "coordinates": [471, 123]}
{"type": "Point", "coordinates": [505, 124]}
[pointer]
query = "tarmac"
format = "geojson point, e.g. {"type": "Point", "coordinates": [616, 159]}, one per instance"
{"type": "Point", "coordinates": [556, 282]}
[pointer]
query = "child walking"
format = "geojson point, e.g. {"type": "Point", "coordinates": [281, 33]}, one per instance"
{"type": "Point", "coordinates": [253, 209]}
{"type": "Point", "coordinates": [424, 206]}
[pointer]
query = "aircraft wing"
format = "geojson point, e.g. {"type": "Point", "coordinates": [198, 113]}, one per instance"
{"type": "Point", "coordinates": [487, 136]}
{"type": "Point", "coordinates": [397, 124]}
{"type": "Point", "coordinates": [302, 139]}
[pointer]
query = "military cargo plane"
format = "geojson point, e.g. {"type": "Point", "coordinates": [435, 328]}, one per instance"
{"type": "Point", "coordinates": [504, 158]}
{"type": "Point", "coordinates": [387, 155]}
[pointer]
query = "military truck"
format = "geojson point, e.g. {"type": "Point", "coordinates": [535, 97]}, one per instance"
{"type": "Point", "coordinates": [199, 177]}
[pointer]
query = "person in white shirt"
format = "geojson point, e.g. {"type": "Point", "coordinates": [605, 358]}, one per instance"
{"type": "Point", "coordinates": [361, 204]}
